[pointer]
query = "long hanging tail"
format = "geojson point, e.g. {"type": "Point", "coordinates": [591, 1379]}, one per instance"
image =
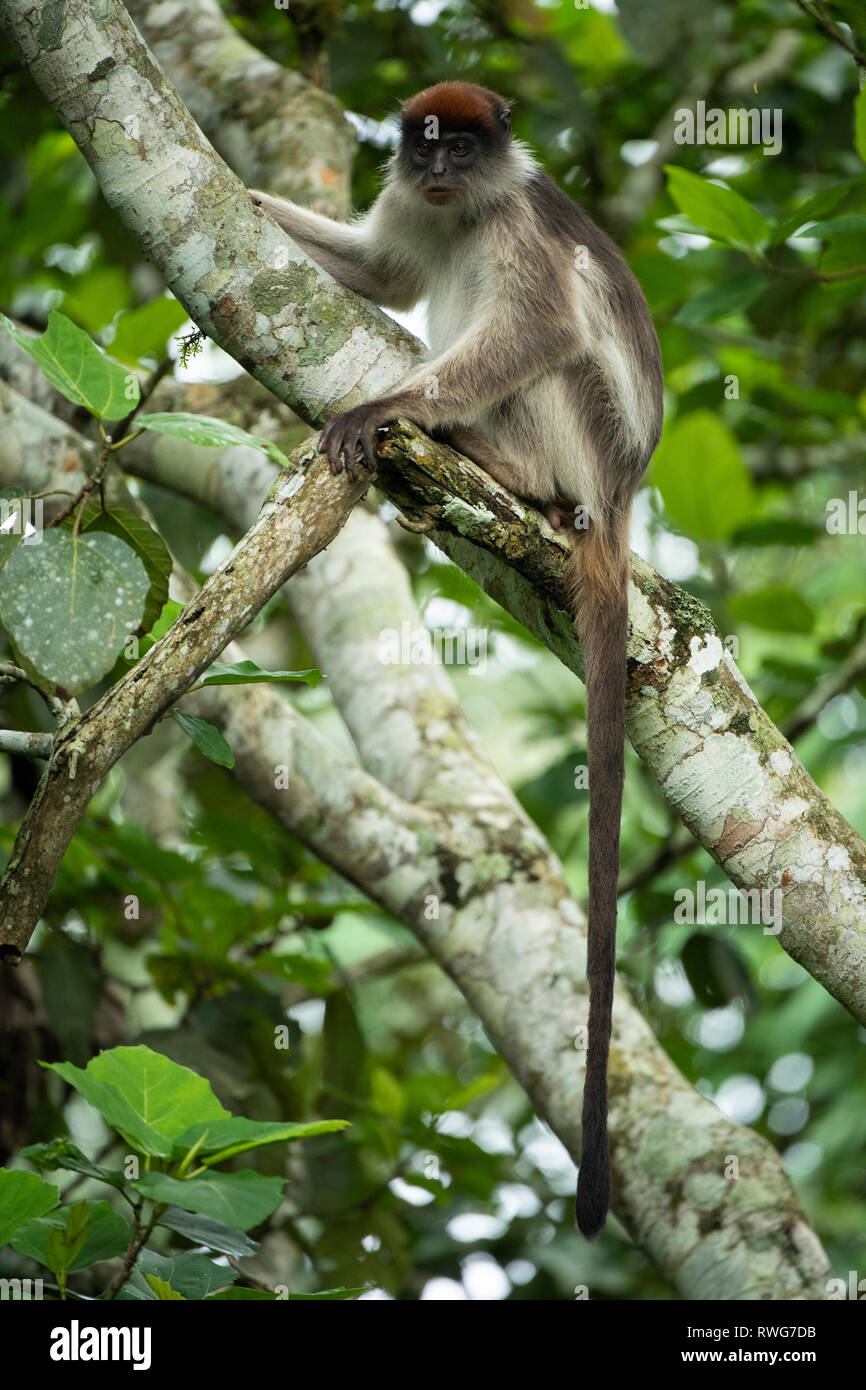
{"type": "Point", "coordinates": [599, 574]}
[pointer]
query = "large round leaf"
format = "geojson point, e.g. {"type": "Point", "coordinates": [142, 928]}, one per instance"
{"type": "Point", "coordinates": [70, 604]}
{"type": "Point", "coordinates": [706, 487]}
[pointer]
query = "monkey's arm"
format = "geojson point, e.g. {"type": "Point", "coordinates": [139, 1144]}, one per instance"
{"type": "Point", "coordinates": [345, 250]}
{"type": "Point", "coordinates": [520, 337]}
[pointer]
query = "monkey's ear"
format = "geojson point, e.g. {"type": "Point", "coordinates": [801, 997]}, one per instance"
{"type": "Point", "coordinates": [505, 120]}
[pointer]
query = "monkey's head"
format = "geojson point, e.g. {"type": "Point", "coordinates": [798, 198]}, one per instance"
{"type": "Point", "coordinates": [455, 137]}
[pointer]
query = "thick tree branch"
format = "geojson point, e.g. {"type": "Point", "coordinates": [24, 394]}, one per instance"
{"type": "Point", "coordinates": [719, 759]}
{"type": "Point", "coordinates": [277, 129]}
{"type": "Point", "coordinates": [447, 832]}
{"type": "Point", "coordinates": [447, 848]}
{"type": "Point", "coordinates": [721, 763]}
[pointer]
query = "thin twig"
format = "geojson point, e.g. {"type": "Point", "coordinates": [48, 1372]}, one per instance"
{"type": "Point", "coordinates": [813, 274]}
{"type": "Point", "coordinates": [832, 31]}
{"type": "Point", "coordinates": [138, 1238]}
{"type": "Point", "coordinates": [804, 716]}
{"type": "Point", "coordinates": [61, 710]}
{"type": "Point", "coordinates": [21, 744]}
{"type": "Point", "coordinates": [121, 434]}
{"type": "Point", "coordinates": [87, 486]}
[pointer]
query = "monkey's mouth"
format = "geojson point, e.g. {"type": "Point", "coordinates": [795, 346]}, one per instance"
{"type": "Point", "coordinates": [439, 197]}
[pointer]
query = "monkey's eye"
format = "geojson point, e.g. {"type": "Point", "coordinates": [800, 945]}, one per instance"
{"type": "Point", "coordinates": [460, 148]}
{"type": "Point", "coordinates": [422, 147]}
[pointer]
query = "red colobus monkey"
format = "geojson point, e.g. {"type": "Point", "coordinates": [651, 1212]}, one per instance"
{"type": "Point", "coordinates": [546, 371]}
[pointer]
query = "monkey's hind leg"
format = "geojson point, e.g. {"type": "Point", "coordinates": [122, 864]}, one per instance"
{"type": "Point", "coordinates": [479, 449]}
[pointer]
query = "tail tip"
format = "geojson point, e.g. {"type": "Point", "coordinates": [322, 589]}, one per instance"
{"type": "Point", "coordinates": [590, 1210]}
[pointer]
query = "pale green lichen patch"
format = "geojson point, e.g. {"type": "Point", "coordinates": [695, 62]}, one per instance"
{"type": "Point", "coordinates": [705, 1189]}
{"type": "Point", "coordinates": [110, 138]}
{"type": "Point", "coordinates": [489, 868]}
{"type": "Point", "coordinates": [328, 330]}
{"type": "Point", "coordinates": [271, 290]}
{"type": "Point", "coordinates": [466, 518]}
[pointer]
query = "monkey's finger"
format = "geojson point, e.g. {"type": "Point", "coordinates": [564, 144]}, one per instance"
{"type": "Point", "coordinates": [368, 444]}
{"type": "Point", "coordinates": [351, 440]}
{"type": "Point", "coordinates": [330, 446]}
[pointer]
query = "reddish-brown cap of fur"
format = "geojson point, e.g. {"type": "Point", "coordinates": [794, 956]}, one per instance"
{"type": "Point", "coordinates": [458, 106]}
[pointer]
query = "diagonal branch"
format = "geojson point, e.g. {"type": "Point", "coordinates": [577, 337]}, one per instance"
{"type": "Point", "coordinates": [445, 846]}
{"type": "Point", "coordinates": [447, 849]}
{"type": "Point", "coordinates": [720, 761]}
{"type": "Point", "coordinates": [304, 513]}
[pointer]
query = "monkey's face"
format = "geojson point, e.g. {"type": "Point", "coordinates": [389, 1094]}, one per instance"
{"type": "Point", "coordinates": [443, 170]}
{"type": "Point", "coordinates": [455, 138]}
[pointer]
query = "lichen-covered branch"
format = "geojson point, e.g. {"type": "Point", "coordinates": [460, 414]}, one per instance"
{"type": "Point", "coordinates": [448, 850]}
{"type": "Point", "coordinates": [304, 513]}
{"type": "Point", "coordinates": [446, 847]}
{"type": "Point", "coordinates": [251, 289]}
{"type": "Point", "coordinates": [274, 127]}
{"type": "Point", "coordinates": [719, 759]}
{"type": "Point", "coordinates": [721, 763]}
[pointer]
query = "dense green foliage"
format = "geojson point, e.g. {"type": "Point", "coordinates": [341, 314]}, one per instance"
{"type": "Point", "coordinates": [754, 265]}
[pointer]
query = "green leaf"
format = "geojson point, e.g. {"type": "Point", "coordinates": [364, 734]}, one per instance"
{"type": "Point", "coordinates": [60, 1153]}
{"type": "Point", "coordinates": [860, 124]}
{"type": "Point", "coordinates": [78, 370]}
{"type": "Point", "coordinates": [813, 209]}
{"type": "Point", "coordinates": [836, 226]}
{"type": "Point", "coordinates": [107, 1236]}
{"type": "Point", "coordinates": [706, 487]}
{"type": "Point", "coordinates": [65, 1243]}
{"type": "Point", "coordinates": [191, 1275]}
{"type": "Point", "coordinates": [778, 531]}
{"type": "Point", "coordinates": [715, 970]}
{"type": "Point", "coordinates": [148, 1098]}
{"type": "Point", "coordinates": [205, 429]}
{"type": "Point", "coordinates": [70, 604]}
{"type": "Point", "coordinates": [163, 1291]}
{"type": "Point", "coordinates": [850, 11]}
{"type": "Point", "coordinates": [207, 739]}
{"type": "Point", "coordinates": [171, 611]}
{"type": "Point", "coordinates": [242, 1199]}
{"type": "Point", "coordinates": [248, 673]}
{"type": "Point", "coordinates": [201, 1230]}
{"type": "Point", "coordinates": [726, 298]}
{"type": "Point", "coordinates": [143, 539]}
{"type": "Point", "coordinates": [720, 212]}
{"type": "Point", "coordinates": [225, 1138]}
{"type": "Point", "coordinates": [774, 609]}
{"type": "Point", "coordinates": [22, 1197]}
{"type": "Point", "coordinates": [145, 331]}
{"type": "Point", "coordinates": [96, 297]}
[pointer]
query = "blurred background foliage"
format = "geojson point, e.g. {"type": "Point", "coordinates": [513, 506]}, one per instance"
{"type": "Point", "coordinates": [447, 1186]}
